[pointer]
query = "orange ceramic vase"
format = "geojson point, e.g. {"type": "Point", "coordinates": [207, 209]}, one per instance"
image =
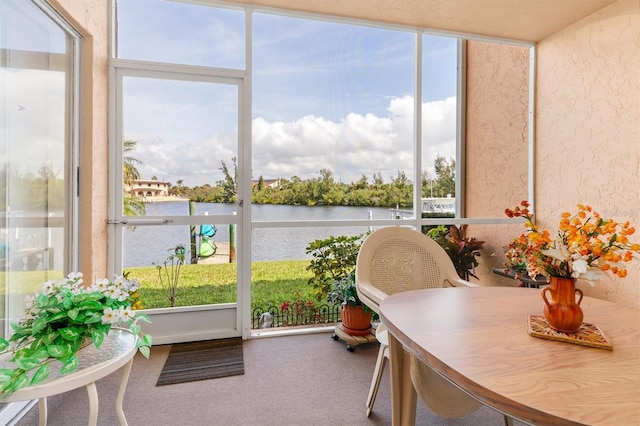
{"type": "Point", "coordinates": [355, 321]}
{"type": "Point", "coordinates": [562, 304]}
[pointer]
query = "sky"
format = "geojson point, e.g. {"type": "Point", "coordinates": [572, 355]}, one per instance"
{"type": "Point", "coordinates": [325, 95]}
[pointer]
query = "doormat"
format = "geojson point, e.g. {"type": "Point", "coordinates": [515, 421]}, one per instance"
{"type": "Point", "coordinates": [188, 362]}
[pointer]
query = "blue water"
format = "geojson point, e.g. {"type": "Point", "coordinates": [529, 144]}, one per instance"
{"type": "Point", "coordinates": [146, 245]}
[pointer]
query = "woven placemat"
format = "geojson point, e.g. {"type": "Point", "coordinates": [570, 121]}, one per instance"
{"type": "Point", "coordinates": [587, 335]}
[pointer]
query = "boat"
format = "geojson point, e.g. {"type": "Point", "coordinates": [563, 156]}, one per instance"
{"type": "Point", "coordinates": [445, 205]}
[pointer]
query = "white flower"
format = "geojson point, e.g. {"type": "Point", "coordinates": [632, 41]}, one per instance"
{"type": "Point", "coordinates": [133, 285]}
{"type": "Point", "coordinates": [110, 316]}
{"type": "Point", "coordinates": [126, 313]}
{"type": "Point", "coordinates": [112, 292]}
{"type": "Point", "coordinates": [580, 266]}
{"type": "Point", "coordinates": [47, 287]}
{"type": "Point", "coordinates": [75, 278]}
{"type": "Point", "coordinates": [100, 285]}
{"type": "Point", "coordinates": [121, 295]}
{"type": "Point", "coordinates": [559, 252]}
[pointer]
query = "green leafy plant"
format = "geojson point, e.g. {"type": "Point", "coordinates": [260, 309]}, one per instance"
{"type": "Point", "coordinates": [59, 319]}
{"type": "Point", "coordinates": [462, 250]}
{"type": "Point", "coordinates": [170, 272]}
{"type": "Point", "coordinates": [333, 259]}
{"type": "Point", "coordinates": [344, 292]}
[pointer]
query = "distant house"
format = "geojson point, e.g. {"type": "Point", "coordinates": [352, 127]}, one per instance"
{"type": "Point", "coordinates": [150, 188]}
{"type": "Point", "coordinates": [268, 183]}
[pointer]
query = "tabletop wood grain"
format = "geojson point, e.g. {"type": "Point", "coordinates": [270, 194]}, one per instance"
{"type": "Point", "coordinates": [477, 338]}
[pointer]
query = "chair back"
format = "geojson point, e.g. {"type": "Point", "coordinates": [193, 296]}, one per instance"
{"type": "Point", "coordinates": [396, 259]}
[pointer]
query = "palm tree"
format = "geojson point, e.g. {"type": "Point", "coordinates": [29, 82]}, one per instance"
{"type": "Point", "coordinates": [131, 173]}
{"type": "Point", "coordinates": [132, 204]}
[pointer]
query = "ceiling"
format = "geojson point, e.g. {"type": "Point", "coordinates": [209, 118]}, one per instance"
{"type": "Point", "coordinates": [520, 20]}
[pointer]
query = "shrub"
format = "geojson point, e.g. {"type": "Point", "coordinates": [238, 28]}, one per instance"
{"type": "Point", "coordinates": [333, 259]}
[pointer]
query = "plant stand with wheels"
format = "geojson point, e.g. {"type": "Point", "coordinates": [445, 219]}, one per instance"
{"type": "Point", "coordinates": [352, 341]}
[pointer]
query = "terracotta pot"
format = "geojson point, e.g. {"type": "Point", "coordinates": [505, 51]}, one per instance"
{"type": "Point", "coordinates": [355, 320]}
{"type": "Point", "coordinates": [561, 309]}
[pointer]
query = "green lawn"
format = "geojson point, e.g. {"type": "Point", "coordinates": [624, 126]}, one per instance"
{"type": "Point", "coordinates": [273, 283]}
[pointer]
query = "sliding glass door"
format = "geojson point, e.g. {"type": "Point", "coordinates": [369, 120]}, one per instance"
{"type": "Point", "coordinates": [38, 155]}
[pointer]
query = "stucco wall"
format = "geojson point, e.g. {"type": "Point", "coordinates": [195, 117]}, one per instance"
{"type": "Point", "coordinates": [497, 144]}
{"type": "Point", "coordinates": [90, 18]}
{"type": "Point", "coordinates": [588, 127]}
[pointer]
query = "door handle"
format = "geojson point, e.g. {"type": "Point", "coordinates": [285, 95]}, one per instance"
{"type": "Point", "coordinates": [139, 221]}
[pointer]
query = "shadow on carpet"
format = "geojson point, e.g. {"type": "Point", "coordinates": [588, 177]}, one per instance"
{"type": "Point", "coordinates": [188, 362]}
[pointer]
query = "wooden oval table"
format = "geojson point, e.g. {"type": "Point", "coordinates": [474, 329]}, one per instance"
{"type": "Point", "coordinates": [117, 350]}
{"type": "Point", "coordinates": [477, 339]}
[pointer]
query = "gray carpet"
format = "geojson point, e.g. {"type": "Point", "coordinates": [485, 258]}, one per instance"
{"type": "Point", "coordinates": [299, 380]}
{"type": "Point", "coordinates": [188, 362]}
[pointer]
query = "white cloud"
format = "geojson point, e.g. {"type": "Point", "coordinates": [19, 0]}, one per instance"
{"type": "Point", "coordinates": [182, 143]}
{"type": "Point", "coordinates": [356, 145]}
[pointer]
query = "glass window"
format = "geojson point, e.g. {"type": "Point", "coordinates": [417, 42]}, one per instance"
{"type": "Point", "coordinates": [179, 33]}
{"type": "Point", "coordinates": [333, 129]}
{"type": "Point", "coordinates": [177, 134]}
{"type": "Point", "coordinates": [439, 125]}
{"type": "Point", "coordinates": [36, 152]}
{"type": "Point", "coordinates": [333, 107]}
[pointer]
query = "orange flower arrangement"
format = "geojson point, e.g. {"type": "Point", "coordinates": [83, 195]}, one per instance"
{"type": "Point", "coordinates": [585, 246]}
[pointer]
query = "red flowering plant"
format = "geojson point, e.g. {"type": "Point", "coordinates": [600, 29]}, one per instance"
{"type": "Point", "coordinates": [585, 246]}
{"type": "Point", "coordinates": [300, 311]}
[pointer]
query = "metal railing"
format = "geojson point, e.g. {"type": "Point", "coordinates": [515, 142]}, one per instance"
{"type": "Point", "coordinates": [294, 313]}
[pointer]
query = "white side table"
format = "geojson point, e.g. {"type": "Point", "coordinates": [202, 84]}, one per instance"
{"type": "Point", "coordinates": [116, 351]}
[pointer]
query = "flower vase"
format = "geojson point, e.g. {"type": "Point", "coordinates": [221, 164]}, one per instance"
{"type": "Point", "coordinates": [562, 308]}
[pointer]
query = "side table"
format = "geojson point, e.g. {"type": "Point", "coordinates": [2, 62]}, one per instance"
{"type": "Point", "coordinates": [524, 280]}
{"type": "Point", "coordinates": [116, 351]}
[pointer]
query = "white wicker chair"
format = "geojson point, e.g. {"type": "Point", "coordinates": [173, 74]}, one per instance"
{"type": "Point", "coordinates": [396, 259]}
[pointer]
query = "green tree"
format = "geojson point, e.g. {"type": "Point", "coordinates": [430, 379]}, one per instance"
{"type": "Point", "coordinates": [129, 163]}
{"type": "Point", "coordinates": [132, 204]}
{"type": "Point", "coordinates": [445, 183]}
{"type": "Point", "coordinates": [229, 184]}
{"type": "Point", "coordinates": [260, 184]}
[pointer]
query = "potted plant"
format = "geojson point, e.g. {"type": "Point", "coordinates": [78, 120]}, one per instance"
{"type": "Point", "coordinates": [585, 246]}
{"type": "Point", "coordinates": [462, 250]}
{"type": "Point", "coordinates": [356, 316]}
{"type": "Point", "coordinates": [60, 319]}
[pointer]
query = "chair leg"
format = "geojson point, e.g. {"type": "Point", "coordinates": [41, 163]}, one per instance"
{"type": "Point", "coordinates": [508, 421]}
{"type": "Point", "coordinates": [383, 354]}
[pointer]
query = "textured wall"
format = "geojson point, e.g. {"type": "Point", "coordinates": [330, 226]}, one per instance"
{"type": "Point", "coordinates": [497, 143]}
{"type": "Point", "coordinates": [497, 112]}
{"type": "Point", "coordinates": [588, 127]}
{"type": "Point", "coordinates": [90, 18]}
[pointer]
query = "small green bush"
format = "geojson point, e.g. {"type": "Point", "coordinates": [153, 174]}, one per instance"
{"type": "Point", "coordinates": [333, 259]}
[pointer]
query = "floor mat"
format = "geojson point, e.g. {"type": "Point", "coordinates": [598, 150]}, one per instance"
{"type": "Point", "coordinates": [188, 362]}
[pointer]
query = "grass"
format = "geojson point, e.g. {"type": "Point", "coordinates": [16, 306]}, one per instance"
{"type": "Point", "coordinates": [273, 283]}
